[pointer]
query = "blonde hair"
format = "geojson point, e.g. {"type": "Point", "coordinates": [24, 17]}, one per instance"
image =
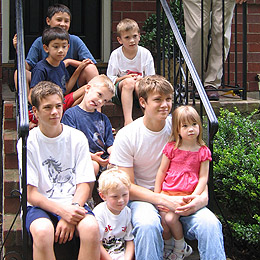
{"type": "Point", "coordinates": [112, 179]}
{"type": "Point", "coordinates": [154, 83]}
{"type": "Point", "coordinates": [184, 114]}
{"type": "Point", "coordinates": [104, 81]}
{"type": "Point", "coordinates": [126, 25]}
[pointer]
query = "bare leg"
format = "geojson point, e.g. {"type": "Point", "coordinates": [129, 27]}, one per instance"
{"type": "Point", "coordinates": [78, 96]}
{"type": "Point", "coordinates": [172, 221]}
{"type": "Point", "coordinates": [89, 72]}
{"type": "Point", "coordinates": [42, 231]}
{"type": "Point", "coordinates": [28, 81]}
{"type": "Point", "coordinates": [127, 86]}
{"type": "Point", "coordinates": [89, 238]}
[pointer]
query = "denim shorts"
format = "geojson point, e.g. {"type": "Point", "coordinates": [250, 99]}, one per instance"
{"type": "Point", "coordinates": [34, 213]}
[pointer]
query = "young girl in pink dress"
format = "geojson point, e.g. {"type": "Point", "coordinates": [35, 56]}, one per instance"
{"type": "Point", "coordinates": [183, 171]}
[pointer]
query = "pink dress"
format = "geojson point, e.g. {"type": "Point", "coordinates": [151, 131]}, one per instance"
{"type": "Point", "coordinates": [183, 173]}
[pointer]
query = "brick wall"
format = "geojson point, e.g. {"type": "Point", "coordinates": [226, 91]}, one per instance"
{"type": "Point", "coordinates": [253, 46]}
{"type": "Point", "coordinates": [140, 10]}
{"type": "Point", "coordinates": [134, 9]}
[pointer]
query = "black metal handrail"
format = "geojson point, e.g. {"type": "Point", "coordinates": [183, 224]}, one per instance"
{"type": "Point", "coordinates": [212, 119]}
{"type": "Point", "coordinates": [22, 116]}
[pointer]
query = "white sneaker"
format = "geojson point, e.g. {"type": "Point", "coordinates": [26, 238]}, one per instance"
{"type": "Point", "coordinates": [177, 254]}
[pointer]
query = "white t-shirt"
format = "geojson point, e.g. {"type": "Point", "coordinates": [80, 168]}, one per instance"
{"type": "Point", "coordinates": [114, 229]}
{"type": "Point", "coordinates": [56, 165]}
{"type": "Point", "coordinates": [138, 147]}
{"type": "Point", "coordinates": [119, 65]}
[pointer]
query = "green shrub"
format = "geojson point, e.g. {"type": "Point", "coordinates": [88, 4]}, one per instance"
{"type": "Point", "coordinates": [148, 39]}
{"type": "Point", "coordinates": [237, 176]}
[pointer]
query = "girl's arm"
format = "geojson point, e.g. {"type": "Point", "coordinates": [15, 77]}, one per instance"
{"type": "Point", "coordinates": [203, 178]}
{"type": "Point", "coordinates": [104, 255]}
{"type": "Point", "coordinates": [129, 250]}
{"type": "Point", "coordinates": [160, 176]}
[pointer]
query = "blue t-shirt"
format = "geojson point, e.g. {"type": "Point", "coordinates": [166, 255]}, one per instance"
{"type": "Point", "coordinates": [95, 125]}
{"type": "Point", "coordinates": [77, 51]}
{"type": "Point", "coordinates": [44, 71]}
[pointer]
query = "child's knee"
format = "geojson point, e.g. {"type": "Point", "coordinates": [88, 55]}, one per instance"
{"type": "Point", "coordinates": [171, 217]}
{"type": "Point", "coordinates": [128, 84]}
{"type": "Point", "coordinates": [42, 231]}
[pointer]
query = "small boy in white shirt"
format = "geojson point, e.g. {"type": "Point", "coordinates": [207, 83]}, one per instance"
{"type": "Point", "coordinates": [114, 217]}
{"type": "Point", "coordinates": [127, 64]}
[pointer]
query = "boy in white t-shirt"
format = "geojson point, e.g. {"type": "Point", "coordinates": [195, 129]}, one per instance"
{"type": "Point", "coordinates": [59, 173]}
{"type": "Point", "coordinates": [114, 217]}
{"type": "Point", "coordinates": [127, 64]}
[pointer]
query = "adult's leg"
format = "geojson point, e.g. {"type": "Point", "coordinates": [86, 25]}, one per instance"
{"type": "Point", "coordinates": [42, 231]}
{"type": "Point", "coordinates": [192, 20]}
{"type": "Point", "coordinates": [207, 229]}
{"type": "Point", "coordinates": [88, 231]}
{"type": "Point", "coordinates": [214, 71]}
{"type": "Point", "coordinates": [147, 231]}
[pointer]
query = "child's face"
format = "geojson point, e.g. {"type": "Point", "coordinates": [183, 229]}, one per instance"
{"type": "Point", "coordinates": [189, 131]}
{"type": "Point", "coordinates": [117, 198]}
{"type": "Point", "coordinates": [157, 106]}
{"type": "Point", "coordinates": [129, 39]}
{"type": "Point", "coordinates": [95, 97]}
{"type": "Point", "coordinates": [59, 20]}
{"type": "Point", "coordinates": [57, 49]}
{"type": "Point", "coordinates": [49, 113]}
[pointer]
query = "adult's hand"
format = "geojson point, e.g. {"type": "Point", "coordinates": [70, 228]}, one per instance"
{"type": "Point", "coordinates": [192, 204]}
{"type": "Point", "coordinates": [64, 231]}
{"type": "Point", "coordinates": [172, 202]}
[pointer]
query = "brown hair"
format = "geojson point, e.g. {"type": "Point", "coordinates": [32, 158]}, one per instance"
{"type": "Point", "coordinates": [44, 89]}
{"type": "Point", "coordinates": [184, 114]}
{"type": "Point", "coordinates": [126, 25]}
{"type": "Point", "coordinates": [153, 83]}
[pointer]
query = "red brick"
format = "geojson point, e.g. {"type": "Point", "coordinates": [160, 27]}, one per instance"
{"type": "Point", "coordinates": [253, 47]}
{"type": "Point", "coordinates": [11, 161]}
{"type": "Point", "coordinates": [9, 111]}
{"type": "Point", "coordinates": [137, 16]}
{"type": "Point", "coordinates": [253, 28]}
{"type": "Point", "coordinates": [11, 205]}
{"type": "Point", "coordinates": [10, 124]}
{"type": "Point", "coordinates": [144, 6]}
{"type": "Point", "coordinates": [121, 6]}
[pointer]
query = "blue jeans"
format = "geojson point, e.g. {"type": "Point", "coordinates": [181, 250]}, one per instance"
{"type": "Point", "coordinates": [207, 229]}
{"type": "Point", "coordinates": [147, 230]}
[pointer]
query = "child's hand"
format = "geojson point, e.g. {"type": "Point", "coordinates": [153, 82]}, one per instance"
{"type": "Point", "coordinates": [97, 157]}
{"type": "Point", "coordinates": [15, 41]}
{"type": "Point", "coordinates": [83, 64]}
{"type": "Point", "coordinates": [88, 61]}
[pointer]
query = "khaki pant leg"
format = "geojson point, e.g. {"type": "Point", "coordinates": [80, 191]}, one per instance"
{"type": "Point", "coordinates": [214, 70]}
{"type": "Point", "coordinates": [192, 20]}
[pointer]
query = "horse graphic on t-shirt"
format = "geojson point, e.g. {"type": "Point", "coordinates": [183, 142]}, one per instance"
{"type": "Point", "coordinates": [62, 180]}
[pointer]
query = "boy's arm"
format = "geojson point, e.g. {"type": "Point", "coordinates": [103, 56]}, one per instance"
{"type": "Point", "coordinates": [76, 63]}
{"type": "Point", "coordinates": [70, 213]}
{"type": "Point", "coordinates": [70, 84]}
{"type": "Point", "coordinates": [83, 192]}
{"type": "Point", "coordinates": [203, 178]}
{"type": "Point", "coordinates": [129, 250]}
{"type": "Point", "coordinates": [160, 176]}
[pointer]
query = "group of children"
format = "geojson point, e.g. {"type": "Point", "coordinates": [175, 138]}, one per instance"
{"type": "Point", "coordinates": [63, 163]}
